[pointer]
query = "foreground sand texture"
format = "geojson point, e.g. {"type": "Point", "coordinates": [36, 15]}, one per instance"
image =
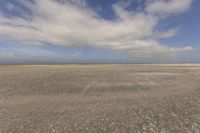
{"type": "Point", "coordinates": [100, 99]}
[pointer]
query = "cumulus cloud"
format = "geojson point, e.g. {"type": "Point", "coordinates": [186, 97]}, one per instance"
{"type": "Point", "coordinates": [74, 23]}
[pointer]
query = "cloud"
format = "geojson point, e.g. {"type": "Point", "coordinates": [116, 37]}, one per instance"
{"type": "Point", "coordinates": [168, 6]}
{"type": "Point", "coordinates": [29, 54]}
{"type": "Point", "coordinates": [188, 49]}
{"type": "Point", "coordinates": [169, 33]}
{"type": "Point", "coordinates": [74, 23]}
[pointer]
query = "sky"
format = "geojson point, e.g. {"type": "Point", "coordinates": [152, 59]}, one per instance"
{"type": "Point", "coordinates": [99, 31]}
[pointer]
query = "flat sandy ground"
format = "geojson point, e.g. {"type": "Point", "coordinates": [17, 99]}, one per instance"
{"type": "Point", "coordinates": [100, 98]}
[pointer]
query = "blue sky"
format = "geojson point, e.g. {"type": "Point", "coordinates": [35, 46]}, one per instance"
{"type": "Point", "coordinates": [99, 31]}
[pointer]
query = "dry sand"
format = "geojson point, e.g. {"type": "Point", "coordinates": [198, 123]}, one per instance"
{"type": "Point", "coordinates": [100, 98]}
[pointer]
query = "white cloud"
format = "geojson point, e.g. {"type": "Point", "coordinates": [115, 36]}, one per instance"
{"type": "Point", "coordinates": [168, 6]}
{"type": "Point", "coordinates": [169, 33]}
{"type": "Point", "coordinates": [31, 55]}
{"type": "Point", "coordinates": [70, 23]}
{"type": "Point", "coordinates": [188, 48]}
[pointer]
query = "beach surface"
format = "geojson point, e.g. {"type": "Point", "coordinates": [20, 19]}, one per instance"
{"type": "Point", "coordinates": [117, 98]}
